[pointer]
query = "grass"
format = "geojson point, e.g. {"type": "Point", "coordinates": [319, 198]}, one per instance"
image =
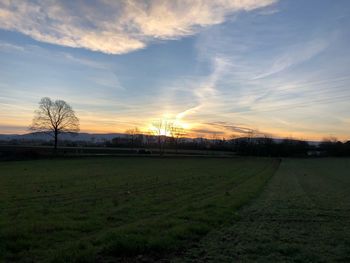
{"type": "Point", "coordinates": [100, 209]}
{"type": "Point", "coordinates": [303, 215]}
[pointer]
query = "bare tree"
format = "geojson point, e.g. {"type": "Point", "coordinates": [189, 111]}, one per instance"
{"type": "Point", "coordinates": [161, 129]}
{"type": "Point", "coordinates": [176, 133]}
{"type": "Point", "coordinates": [132, 135]}
{"type": "Point", "coordinates": [54, 117]}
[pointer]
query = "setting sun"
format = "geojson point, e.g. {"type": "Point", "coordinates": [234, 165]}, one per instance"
{"type": "Point", "coordinates": [166, 126]}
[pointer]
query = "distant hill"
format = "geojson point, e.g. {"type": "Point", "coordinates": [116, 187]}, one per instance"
{"type": "Point", "coordinates": [39, 136]}
{"type": "Point", "coordinates": [101, 137]}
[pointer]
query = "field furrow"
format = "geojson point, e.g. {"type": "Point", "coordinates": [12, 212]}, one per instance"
{"type": "Point", "coordinates": [302, 216]}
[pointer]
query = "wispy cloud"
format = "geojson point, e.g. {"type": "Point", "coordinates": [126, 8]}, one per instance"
{"type": "Point", "coordinates": [8, 47]}
{"type": "Point", "coordinates": [58, 56]}
{"type": "Point", "coordinates": [223, 128]}
{"type": "Point", "coordinates": [205, 89]}
{"type": "Point", "coordinates": [233, 127]}
{"type": "Point", "coordinates": [295, 55]}
{"type": "Point", "coordinates": [188, 97]}
{"type": "Point", "coordinates": [263, 81]}
{"type": "Point", "coordinates": [117, 27]}
{"type": "Point", "coordinates": [83, 61]}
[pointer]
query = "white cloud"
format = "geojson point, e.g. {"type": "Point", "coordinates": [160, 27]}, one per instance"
{"type": "Point", "coordinates": [116, 27]}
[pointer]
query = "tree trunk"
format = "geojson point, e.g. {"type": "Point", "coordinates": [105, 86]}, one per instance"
{"type": "Point", "coordinates": [160, 145]}
{"type": "Point", "coordinates": [56, 135]}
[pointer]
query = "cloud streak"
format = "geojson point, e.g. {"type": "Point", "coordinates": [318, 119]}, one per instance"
{"type": "Point", "coordinates": [117, 27]}
{"type": "Point", "coordinates": [8, 47]}
{"type": "Point", "coordinates": [294, 56]}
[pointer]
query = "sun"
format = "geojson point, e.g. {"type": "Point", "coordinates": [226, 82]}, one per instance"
{"type": "Point", "coordinates": [159, 130]}
{"type": "Point", "coordinates": [164, 126]}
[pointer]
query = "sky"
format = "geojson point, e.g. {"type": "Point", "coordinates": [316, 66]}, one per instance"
{"type": "Point", "coordinates": [217, 68]}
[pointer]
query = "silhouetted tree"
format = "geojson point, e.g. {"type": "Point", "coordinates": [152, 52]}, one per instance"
{"type": "Point", "coordinates": [291, 147]}
{"type": "Point", "coordinates": [132, 135]}
{"type": "Point", "coordinates": [332, 147]}
{"type": "Point", "coordinates": [54, 117]}
{"type": "Point", "coordinates": [160, 129]}
{"type": "Point", "coordinates": [176, 133]}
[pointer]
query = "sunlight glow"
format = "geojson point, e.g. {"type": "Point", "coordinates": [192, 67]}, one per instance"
{"type": "Point", "coordinates": [164, 125]}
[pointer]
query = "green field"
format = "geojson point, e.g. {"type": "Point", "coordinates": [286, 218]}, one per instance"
{"type": "Point", "coordinates": [107, 209]}
{"type": "Point", "coordinates": [303, 215]}
{"type": "Point", "coordinates": [175, 209]}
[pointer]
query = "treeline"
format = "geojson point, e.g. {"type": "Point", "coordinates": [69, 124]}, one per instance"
{"type": "Point", "coordinates": [334, 148]}
{"type": "Point", "coordinates": [246, 146]}
{"type": "Point", "coordinates": [242, 146]}
{"type": "Point", "coordinates": [271, 147]}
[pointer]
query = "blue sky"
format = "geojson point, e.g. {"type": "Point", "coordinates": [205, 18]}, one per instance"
{"type": "Point", "coordinates": [218, 68]}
